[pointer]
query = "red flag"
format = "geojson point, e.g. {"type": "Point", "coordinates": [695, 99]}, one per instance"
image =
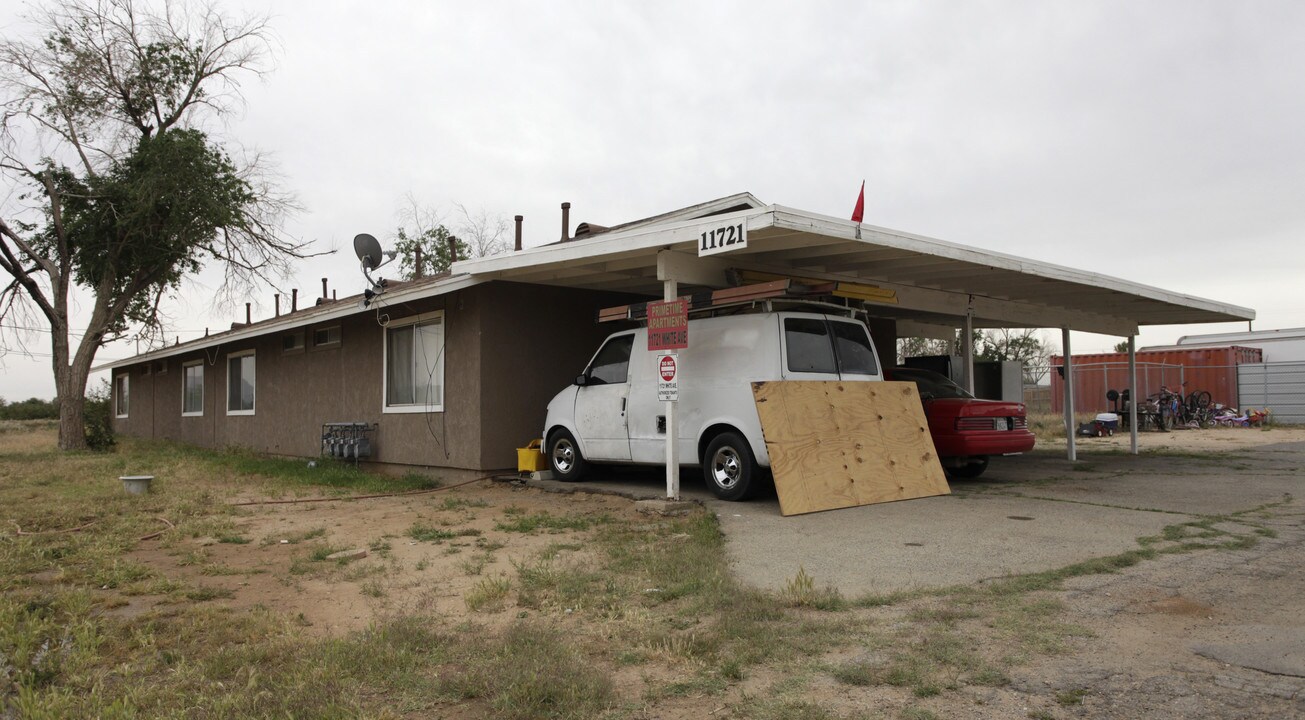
{"type": "Point", "coordinates": [859, 210]}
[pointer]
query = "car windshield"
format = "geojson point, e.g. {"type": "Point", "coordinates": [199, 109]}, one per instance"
{"type": "Point", "coordinates": [931, 384]}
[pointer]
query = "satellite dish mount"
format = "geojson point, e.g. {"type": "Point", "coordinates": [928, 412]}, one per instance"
{"type": "Point", "coordinates": [371, 257]}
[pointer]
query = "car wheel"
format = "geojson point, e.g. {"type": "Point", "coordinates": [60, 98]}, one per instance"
{"type": "Point", "coordinates": [970, 470]}
{"type": "Point", "coordinates": [729, 467]}
{"type": "Point", "coordinates": [564, 456]}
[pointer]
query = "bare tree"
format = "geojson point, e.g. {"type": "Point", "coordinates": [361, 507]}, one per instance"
{"type": "Point", "coordinates": [484, 233]}
{"type": "Point", "coordinates": [121, 194]}
{"type": "Point", "coordinates": [918, 347]}
{"type": "Point", "coordinates": [478, 234]}
{"type": "Point", "coordinates": [1023, 344]}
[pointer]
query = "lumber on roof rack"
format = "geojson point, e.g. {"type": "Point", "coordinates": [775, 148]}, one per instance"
{"type": "Point", "coordinates": [706, 300]}
{"type": "Point", "coordinates": [767, 287]}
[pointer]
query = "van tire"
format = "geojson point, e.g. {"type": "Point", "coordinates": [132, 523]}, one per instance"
{"type": "Point", "coordinates": [729, 467]}
{"type": "Point", "coordinates": [564, 456]}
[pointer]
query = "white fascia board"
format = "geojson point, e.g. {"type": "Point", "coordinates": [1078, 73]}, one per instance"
{"type": "Point", "coordinates": [608, 244]}
{"type": "Point", "coordinates": [289, 321]}
{"type": "Point", "coordinates": [799, 220]}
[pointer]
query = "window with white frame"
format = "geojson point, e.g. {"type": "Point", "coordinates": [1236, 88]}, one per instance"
{"type": "Point", "coordinates": [414, 364]}
{"type": "Point", "coordinates": [192, 388]}
{"type": "Point", "coordinates": [240, 383]}
{"type": "Point", "coordinates": [120, 384]}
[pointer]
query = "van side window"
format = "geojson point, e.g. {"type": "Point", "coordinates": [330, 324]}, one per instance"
{"type": "Point", "coordinates": [809, 349]}
{"type": "Point", "coordinates": [612, 364]}
{"type": "Point", "coordinates": [855, 354]}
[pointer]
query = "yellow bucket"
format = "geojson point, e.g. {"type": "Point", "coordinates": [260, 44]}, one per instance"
{"type": "Point", "coordinates": [531, 457]}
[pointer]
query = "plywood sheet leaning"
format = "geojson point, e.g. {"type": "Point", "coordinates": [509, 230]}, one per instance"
{"type": "Point", "coordinates": [840, 444]}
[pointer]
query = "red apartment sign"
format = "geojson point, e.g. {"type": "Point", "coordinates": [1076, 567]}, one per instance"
{"type": "Point", "coordinates": [668, 325]}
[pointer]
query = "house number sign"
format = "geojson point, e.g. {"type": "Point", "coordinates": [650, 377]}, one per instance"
{"type": "Point", "coordinates": [723, 238]}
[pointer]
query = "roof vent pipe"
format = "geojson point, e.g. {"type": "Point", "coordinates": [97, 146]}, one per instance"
{"type": "Point", "coordinates": [517, 245]}
{"type": "Point", "coordinates": [247, 314]}
{"type": "Point", "coordinates": [294, 299]}
{"type": "Point", "coordinates": [325, 294]}
{"type": "Point", "coordinates": [453, 249]}
{"type": "Point", "coordinates": [566, 221]}
{"type": "Point", "coordinates": [416, 263]}
{"type": "Point", "coordinates": [276, 301]}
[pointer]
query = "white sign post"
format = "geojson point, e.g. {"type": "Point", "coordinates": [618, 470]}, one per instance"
{"type": "Point", "coordinates": [670, 291]}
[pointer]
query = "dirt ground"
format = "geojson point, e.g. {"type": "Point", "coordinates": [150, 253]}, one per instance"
{"type": "Point", "coordinates": [1157, 643]}
{"type": "Point", "coordinates": [273, 557]}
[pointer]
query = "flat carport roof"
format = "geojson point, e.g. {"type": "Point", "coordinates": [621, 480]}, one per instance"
{"type": "Point", "coordinates": [935, 282]}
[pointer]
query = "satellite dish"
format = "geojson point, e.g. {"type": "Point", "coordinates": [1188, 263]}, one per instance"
{"type": "Point", "coordinates": [368, 250]}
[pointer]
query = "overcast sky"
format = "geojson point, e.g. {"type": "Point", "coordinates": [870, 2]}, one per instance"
{"type": "Point", "coordinates": [1160, 142]}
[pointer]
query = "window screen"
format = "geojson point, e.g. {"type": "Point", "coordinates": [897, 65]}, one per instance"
{"type": "Point", "coordinates": [414, 359]}
{"type": "Point", "coordinates": [192, 390]}
{"type": "Point", "coordinates": [120, 396]}
{"type": "Point", "coordinates": [240, 384]}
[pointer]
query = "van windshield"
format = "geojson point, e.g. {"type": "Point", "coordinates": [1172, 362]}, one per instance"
{"type": "Point", "coordinates": [612, 363]}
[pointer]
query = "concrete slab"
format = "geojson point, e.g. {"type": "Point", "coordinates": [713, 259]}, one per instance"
{"type": "Point", "coordinates": [930, 542]}
{"type": "Point", "coordinates": [1184, 485]}
{"type": "Point", "coordinates": [1027, 514]}
{"type": "Point", "coordinates": [1270, 649]}
{"type": "Point", "coordinates": [664, 507]}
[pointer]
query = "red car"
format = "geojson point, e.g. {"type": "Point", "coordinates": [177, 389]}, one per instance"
{"type": "Point", "coordinates": [966, 430]}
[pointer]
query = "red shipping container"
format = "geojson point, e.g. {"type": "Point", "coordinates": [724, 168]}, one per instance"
{"type": "Point", "coordinates": [1213, 370]}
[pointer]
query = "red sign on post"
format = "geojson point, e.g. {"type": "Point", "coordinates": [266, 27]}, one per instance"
{"type": "Point", "coordinates": [667, 368]}
{"type": "Point", "coordinates": [668, 325]}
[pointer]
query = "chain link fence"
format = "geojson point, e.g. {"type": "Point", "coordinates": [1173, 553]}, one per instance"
{"type": "Point", "coordinates": [1279, 387]}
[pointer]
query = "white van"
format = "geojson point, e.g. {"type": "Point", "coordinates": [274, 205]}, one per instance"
{"type": "Point", "coordinates": [611, 413]}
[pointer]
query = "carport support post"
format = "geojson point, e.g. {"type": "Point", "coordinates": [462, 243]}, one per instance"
{"type": "Point", "coordinates": [1067, 366]}
{"type": "Point", "coordinates": [1132, 393]}
{"type": "Point", "coordinates": [670, 290]}
{"type": "Point", "coordinates": [967, 349]}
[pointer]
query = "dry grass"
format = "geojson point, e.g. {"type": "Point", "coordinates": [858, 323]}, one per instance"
{"type": "Point", "coordinates": [612, 619]}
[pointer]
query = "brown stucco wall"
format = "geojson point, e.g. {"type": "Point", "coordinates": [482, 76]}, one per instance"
{"type": "Point", "coordinates": [536, 340]}
{"type": "Point", "coordinates": [508, 349]}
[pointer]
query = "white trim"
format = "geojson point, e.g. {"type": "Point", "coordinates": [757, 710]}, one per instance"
{"type": "Point", "coordinates": [1097, 313]}
{"type": "Point", "coordinates": [120, 393]}
{"type": "Point", "coordinates": [792, 219]}
{"type": "Point", "coordinates": [184, 367]}
{"type": "Point", "coordinates": [227, 395]}
{"type": "Point", "coordinates": [385, 362]}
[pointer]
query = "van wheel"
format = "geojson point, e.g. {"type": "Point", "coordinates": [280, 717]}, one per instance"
{"type": "Point", "coordinates": [564, 456]}
{"type": "Point", "coordinates": [729, 467]}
